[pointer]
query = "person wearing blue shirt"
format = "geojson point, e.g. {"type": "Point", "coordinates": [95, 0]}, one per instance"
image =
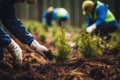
{"type": "Point", "coordinates": [99, 18]}
{"type": "Point", "coordinates": [15, 27]}
{"type": "Point", "coordinates": [52, 15]}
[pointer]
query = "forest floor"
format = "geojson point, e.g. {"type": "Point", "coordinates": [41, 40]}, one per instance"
{"type": "Point", "coordinates": [34, 67]}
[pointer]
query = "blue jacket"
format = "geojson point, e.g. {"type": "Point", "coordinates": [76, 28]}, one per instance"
{"type": "Point", "coordinates": [58, 13]}
{"type": "Point", "coordinates": [101, 14]}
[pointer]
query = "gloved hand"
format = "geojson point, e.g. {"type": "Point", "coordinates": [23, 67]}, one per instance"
{"type": "Point", "coordinates": [16, 51]}
{"type": "Point", "coordinates": [91, 28]}
{"type": "Point", "coordinates": [31, 1]}
{"type": "Point", "coordinates": [42, 50]}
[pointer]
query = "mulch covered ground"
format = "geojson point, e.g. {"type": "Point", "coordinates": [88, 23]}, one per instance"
{"type": "Point", "coordinates": [106, 67]}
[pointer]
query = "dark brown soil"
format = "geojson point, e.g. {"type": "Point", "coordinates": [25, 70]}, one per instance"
{"type": "Point", "coordinates": [106, 67]}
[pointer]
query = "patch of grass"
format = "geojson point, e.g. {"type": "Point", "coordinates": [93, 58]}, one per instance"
{"type": "Point", "coordinates": [37, 27]}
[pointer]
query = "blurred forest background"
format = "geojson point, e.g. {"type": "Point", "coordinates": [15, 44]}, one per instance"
{"type": "Point", "coordinates": [35, 11]}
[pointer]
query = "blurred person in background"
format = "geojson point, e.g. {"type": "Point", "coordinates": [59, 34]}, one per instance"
{"type": "Point", "coordinates": [99, 18]}
{"type": "Point", "coordinates": [15, 27]}
{"type": "Point", "coordinates": [52, 15]}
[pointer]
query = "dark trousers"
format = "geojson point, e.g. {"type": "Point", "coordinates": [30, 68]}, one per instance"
{"type": "Point", "coordinates": [62, 20]}
{"type": "Point", "coordinates": [105, 30]}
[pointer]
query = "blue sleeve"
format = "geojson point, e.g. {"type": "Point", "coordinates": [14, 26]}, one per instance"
{"type": "Point", "coordinates": [14, 25]}
{"type": "Point", "coordinates": [87, 21]}
{"type": "Point", "coordinates": [44, 17]}
{"type": "Point", "coordinates": [101, 15]}
{"type": "Point", "coordinates": [54, 15]}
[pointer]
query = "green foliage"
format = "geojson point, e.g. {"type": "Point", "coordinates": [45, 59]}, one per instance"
{"type": "Point", "coordinates": [76, 38]}
{"type": "Point", "coordinates": [63, 48]}
{"type": "Point", "coordinates": [72, 29]}
{"type": "Point", "coordinates": [43, 37]}
{"type": "Point", "coordinates": [54, 30]}
{"type": "Point", "coordinates": [36, 27]}
{"type": "Point", "coordinates": [89, 46]}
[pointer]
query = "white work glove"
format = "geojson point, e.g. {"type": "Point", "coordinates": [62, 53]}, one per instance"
{"type": "Point", "coordinates": [16, 51]}
{"type": "Point", "coordinates": [39, 48]}
{"type": "Point", "coordinates": [91, 28]}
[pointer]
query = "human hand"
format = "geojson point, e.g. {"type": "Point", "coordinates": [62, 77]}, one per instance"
{"type": "Point", "coordinates": [46, 53]}
{"type": "Point", "coordinates": [16, 51]}
{"type": "Point", "coordinates": [91, 28]}
{"type": "Point", "coordinates": [42, 50]}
